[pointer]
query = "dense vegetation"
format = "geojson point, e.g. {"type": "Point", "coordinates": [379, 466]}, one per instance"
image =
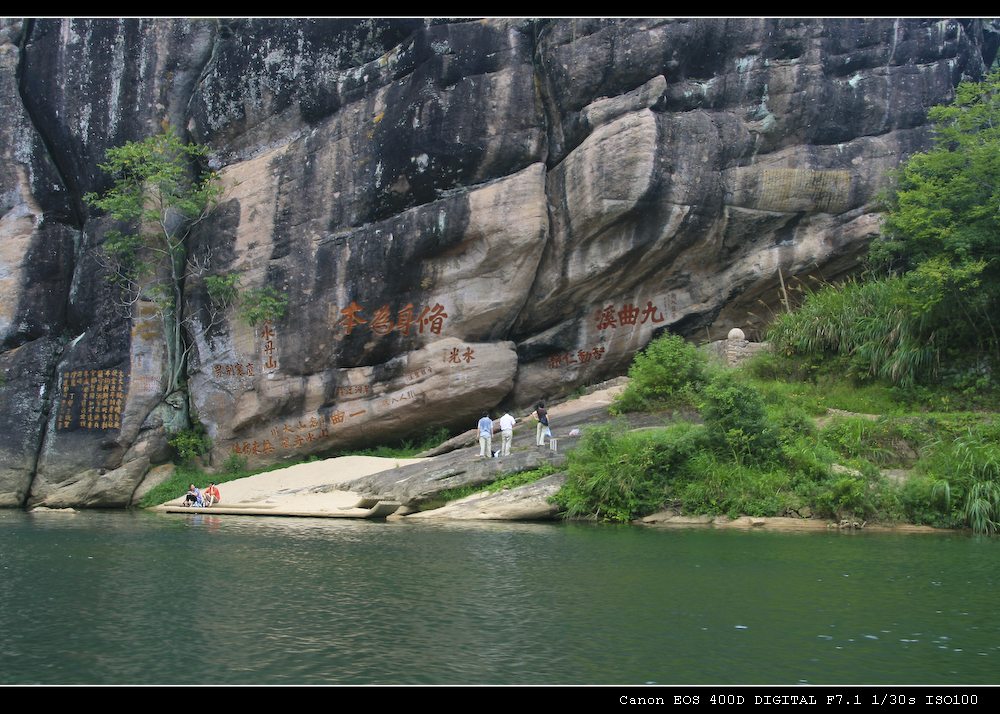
{"type": "Point", "coordinates": [925, 311]}
{"type": "Point", "coordinates": [911, 346]}
{"type": "Point", "coordinates": [767, 444]}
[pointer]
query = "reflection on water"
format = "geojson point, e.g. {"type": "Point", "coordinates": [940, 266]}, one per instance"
{"type": "Point", "coordinates": [152, 598]}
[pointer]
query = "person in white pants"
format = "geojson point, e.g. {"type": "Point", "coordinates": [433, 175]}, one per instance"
{"type": "Point", "coordinates": [542, 427]}
{"type": "Point", "coordinates": [486, 436]}
{"type": "Point", "coordinates": [507, 423]}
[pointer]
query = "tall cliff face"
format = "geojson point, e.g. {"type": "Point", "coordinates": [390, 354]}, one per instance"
{"type": "Point", "coordinates": [461, 214]}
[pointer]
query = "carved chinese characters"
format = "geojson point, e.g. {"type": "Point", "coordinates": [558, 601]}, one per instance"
{"type": "Point", "coordinates": [294, 434]}
{"type": "Point", "coordinates": [578, 357]}
{"type": "Point", "coordinates": [629, 314]}
{"type": "Point", "coordinates": [235, 369]}
{"type": "Point", "coordinates": [407, 319]}
{"type": "Point", "coordinates": [456, 355]}
{"type": "Point", "coordinates": [91, 399]}
{"type": "Point", "coordinates": [268, 349]}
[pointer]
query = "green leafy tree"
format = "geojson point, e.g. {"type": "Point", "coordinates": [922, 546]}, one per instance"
{"type": "Point", "coordinates": [942, 225]}
{"type": "Point", "coordinates": [160, 193]}
{"type": "Point", "coordinates": [932, 295]}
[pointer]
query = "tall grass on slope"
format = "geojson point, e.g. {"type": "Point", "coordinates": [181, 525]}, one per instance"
{"type": "Point", "coordinates": [964, 476]}
{"type": "Point", "coordinates": [873, 323]}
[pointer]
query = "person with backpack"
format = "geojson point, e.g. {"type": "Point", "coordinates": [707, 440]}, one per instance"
{"type": "Point", "coordinates": [542, 428]}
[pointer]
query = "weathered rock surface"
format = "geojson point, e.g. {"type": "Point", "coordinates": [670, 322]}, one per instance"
{"type": "Point", "coordinates": [462, 214]}
{"type": "Point", "coordinates": [35, 263]}
{"type": "Point", "coordinates": [417, 483]}
{"type": "Point", "coordinates": [523, 503]}
{"type": "Point", "coordinates": [24, 402]}
{"type": "Point", "coordinates": [153, 478]}
{"type": "Point", "coordinates": [92, 488]}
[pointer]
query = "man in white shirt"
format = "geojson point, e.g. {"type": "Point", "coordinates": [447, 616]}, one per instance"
{"type": "Point", "coordinates": [507, 423]}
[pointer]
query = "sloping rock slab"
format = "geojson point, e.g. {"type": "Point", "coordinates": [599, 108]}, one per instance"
{"type": "Point", "coordinates": [414, 484]}
{"type": "Point", "coordinates": [529, 502]}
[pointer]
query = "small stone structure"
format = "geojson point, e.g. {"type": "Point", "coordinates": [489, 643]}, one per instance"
{"type": "Point", "coordinates": [735, 349]}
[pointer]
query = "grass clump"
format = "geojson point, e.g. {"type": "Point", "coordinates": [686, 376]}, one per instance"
{"type": "Point", "coordinates": [884, 442]}
{"type": "Point", "coordinates": [959, 480]}
{"type": "Point", "coordinates": [870, 330]}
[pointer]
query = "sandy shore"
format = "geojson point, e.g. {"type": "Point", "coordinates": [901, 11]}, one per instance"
{"type": "Point", "coordinates": [302, 490]}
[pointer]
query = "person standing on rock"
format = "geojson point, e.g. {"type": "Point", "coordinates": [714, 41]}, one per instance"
{"type": "Point", "coordinates": [507, 423]}
{"type": "Point", "coordinates": [542, 428]}
{"type": "Point", "coordinates": [486, 436]}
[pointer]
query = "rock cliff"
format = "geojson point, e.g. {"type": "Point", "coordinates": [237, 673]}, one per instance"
{"type": "Point", "coordinates": [461, 214]}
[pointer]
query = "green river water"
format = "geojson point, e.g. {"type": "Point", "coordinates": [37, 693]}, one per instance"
{"type": "Point", "coordinates": [142, 598]}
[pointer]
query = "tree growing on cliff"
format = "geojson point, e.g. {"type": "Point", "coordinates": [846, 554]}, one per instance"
{"type": "Point", "coordinates": [161, 192]}
{"type": "Point", "coordinates": [932, 296]}
{"type": "Point", "coordinates": [941, 229]}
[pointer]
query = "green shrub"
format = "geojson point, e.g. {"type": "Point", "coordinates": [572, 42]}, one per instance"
{"type": "Point", "coordinates": [736, 420]}
{"type": "Point", "coordinates": [234, 464]}
{"type": "Point", "coordinates": [789, 422]}
{"type": "Point", "coordinates": [844, 495]}
{"type": "Point", "coordinates": [620, 475]}
{"type": "Point", "coordinates": [669, 372]}
{"type": "Point", "coordinates": [924, 502]}
{"type": "Point", "coordinates": [264, 304]}
{"type": "Point", "coordinates": [191, 443]}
